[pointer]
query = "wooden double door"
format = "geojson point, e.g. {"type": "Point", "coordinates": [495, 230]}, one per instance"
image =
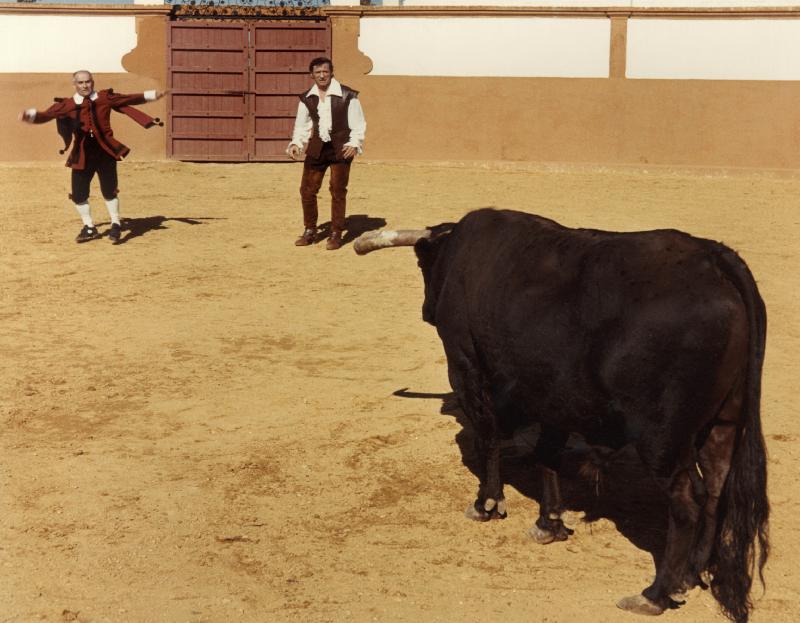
{"type": "Point", "coordinates": [234, 85]}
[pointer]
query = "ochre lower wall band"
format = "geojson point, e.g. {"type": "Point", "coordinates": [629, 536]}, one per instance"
{"type": "Point", "coordinates": [605, 121]}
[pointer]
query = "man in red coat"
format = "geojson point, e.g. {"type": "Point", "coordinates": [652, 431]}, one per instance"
{"type": "Point", "coordinates": [86, 118]}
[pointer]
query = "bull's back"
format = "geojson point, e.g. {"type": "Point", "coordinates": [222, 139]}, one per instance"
{"type": "Point", "coordinates": [568, 322]}
{"type": "Point", "coordinates": [501, 261]}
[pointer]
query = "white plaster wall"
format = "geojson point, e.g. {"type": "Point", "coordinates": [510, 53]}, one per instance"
{"type": "Point", "coordinates": [744, 49]}
{"type": "Point", "coordinates": [469, 46]}
{"type": "Point", "coordinates": [65, 43]}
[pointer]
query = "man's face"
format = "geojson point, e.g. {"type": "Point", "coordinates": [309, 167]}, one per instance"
{"type": "Point", "coordinates": [84, 83]}
{"type": "Point", "coordinates": [322, 75]}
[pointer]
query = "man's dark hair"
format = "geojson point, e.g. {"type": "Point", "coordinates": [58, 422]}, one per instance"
{"type": "Point", "coordinates": [320, 60]}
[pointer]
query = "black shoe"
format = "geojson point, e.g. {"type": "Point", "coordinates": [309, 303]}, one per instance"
{"type": "Point", "coordinates": [114, 233]}
{"type": "Point", "coordinates": [87, 233]}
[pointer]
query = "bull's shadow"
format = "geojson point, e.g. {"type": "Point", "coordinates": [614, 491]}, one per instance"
{"type": "Point", "coordinates": [135, 227]}
{"type": "Point", "coordinates": [355, 225]}
{"type": "Point", "coordinates": [621, 490]}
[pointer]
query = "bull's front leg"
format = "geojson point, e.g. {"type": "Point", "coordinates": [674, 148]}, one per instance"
{"type": "Point", "coordinates": [490, 502]}
{"type": "Point", "coordinates": [470, 386]}
{"type": "Point", "coordinates": [549, 527]}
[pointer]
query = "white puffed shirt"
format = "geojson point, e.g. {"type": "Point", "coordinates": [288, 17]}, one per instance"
{"type": "Point", "coordinates": [303, 125]}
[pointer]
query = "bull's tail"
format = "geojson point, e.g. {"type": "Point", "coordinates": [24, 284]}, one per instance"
{"type": "Point", "coordinates": [742, 540]}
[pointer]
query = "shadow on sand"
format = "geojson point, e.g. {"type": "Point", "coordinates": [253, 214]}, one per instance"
{"type": "Point", "coordinates": [135, 227]}
{"type": "Point", "coordinates": [595, 481]}
{"type": "Point", "coordinates": [355, 225]}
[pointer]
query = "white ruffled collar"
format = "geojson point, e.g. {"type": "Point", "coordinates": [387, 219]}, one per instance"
{"type": "Point", "coordinates": [92, 96]}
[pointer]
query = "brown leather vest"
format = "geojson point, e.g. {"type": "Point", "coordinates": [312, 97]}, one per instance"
{"type": "Point", "coordinates": [340, 130]}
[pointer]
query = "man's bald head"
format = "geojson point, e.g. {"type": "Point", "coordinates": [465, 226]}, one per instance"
{"type": "Point", "coordinates": [84, 82]}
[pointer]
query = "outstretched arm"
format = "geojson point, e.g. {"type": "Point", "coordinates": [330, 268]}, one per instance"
{"type": "Point", "coordinates": [142, 118]}
{"type": "Point", "coordinates": [121, 99]}
{"type": "Point", "coordinates": [56, 111]}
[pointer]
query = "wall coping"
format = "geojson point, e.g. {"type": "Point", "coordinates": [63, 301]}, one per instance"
{"type": "Point", "coordinates": [437, 11]}
{"type": "Point", "coordinates": [557, 11]}
{"type": "Point", "coordinates": [140, 10]}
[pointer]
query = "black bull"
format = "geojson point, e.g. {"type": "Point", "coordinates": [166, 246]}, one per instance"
{"type": "Point", "coordinates": [654, 339]}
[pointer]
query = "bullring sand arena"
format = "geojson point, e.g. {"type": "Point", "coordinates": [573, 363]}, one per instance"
{"type": "Point", "coordinates": [206, 423]}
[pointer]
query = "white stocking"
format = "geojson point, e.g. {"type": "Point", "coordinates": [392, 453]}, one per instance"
{"type": "Point", "coordinates": [86, 213]}
{"type": "Point", "coordinates": [113, 209]}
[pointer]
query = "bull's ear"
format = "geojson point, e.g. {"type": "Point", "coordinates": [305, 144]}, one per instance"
{"type": "Point", "coordinates": [442, 229]}
{"type": "Point", "coordinates": [428, 247]}
{"type": "Point", "coordinates": [424, 250]}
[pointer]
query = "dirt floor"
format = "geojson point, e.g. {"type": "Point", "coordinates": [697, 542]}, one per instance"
{"type": "Point", "coordinates": [206, 423]}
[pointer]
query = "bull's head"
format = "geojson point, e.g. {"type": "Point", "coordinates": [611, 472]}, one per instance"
{"type": "Point", "coordinates": [428, 245]}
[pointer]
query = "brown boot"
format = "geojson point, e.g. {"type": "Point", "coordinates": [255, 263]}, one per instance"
{"type": "Point", "coordinates": [309, 236]}
{"type": "Point", "coordinates": [335, 241]}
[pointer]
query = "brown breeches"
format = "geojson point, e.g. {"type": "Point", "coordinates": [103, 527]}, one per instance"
{"type": "Point", "coordinates": [313, 172]}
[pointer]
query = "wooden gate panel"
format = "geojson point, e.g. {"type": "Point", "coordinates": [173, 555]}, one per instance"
{"type": "Point", "coordinates": [234, 85]}
{"type": "Point", "coordinates": [278, 105]}
{"type": "Point", "coordinates": [209, 34]}
{"type": "Point", "coordinates": [274, 127]}
{"type": "Point", "coordinates": [281, 84]}
{"type": "Point", "coordinates": [217, 127]}
{"type": "Point", "coordinates": [202, 148]}
{"type": "Point", "coordinates": [287, 61]}
{"type": "Point", "coordinates": [280, 53]}
{"type": "Point", "coordinates": [209, 81]}
{"type": "Point", "coordinates": [220, 60]}
{"type": "Point", "coordinates": [201, 104]}
{"type": "Point", "coordinates": [286, 35]}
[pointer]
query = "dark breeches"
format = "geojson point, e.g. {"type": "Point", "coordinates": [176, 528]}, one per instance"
{"type": "Point", "coordinates": [97, 161]}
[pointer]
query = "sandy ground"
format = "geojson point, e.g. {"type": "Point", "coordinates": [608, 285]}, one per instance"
{"type": "Point", "coordinates": [205, 423]}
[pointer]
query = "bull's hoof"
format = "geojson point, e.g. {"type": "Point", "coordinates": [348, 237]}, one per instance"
{"type": "Point", "coordinates": [552, 530]}
{"type": "Point", "coordinates": [691, 581]}
{"type": "Point", "coordinates": [542, 537]}
{"type": "Point", "coordinates": [639, 604]}
{"type": "Point", "coordinates": [475, 515]}
{"type": "Point", "coordinates": [490, 509]}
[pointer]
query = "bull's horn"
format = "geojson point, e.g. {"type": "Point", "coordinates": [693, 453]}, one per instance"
{"type": "Point", "coordinates": [374, 240]}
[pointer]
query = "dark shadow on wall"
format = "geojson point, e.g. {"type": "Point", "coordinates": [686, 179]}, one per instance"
{"type": "Point", "coordinates": [596, 481]}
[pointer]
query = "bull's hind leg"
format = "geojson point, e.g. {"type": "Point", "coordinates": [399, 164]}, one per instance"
{"type": "Point", "coordinates": [549, 527]}
{"type": "Point", "coordinates": [686, 501]}
{"type": "Point", "coordinates": [714, 460]}
{"type": "Point", "coordinates": [694, 500]}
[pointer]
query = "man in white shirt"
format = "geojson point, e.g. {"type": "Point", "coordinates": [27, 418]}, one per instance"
{"type": "Point", "coordinates": [329, 128]}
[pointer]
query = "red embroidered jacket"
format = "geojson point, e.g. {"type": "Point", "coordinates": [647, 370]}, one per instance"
{"type": "Point", "coordinates": [92, 117]}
